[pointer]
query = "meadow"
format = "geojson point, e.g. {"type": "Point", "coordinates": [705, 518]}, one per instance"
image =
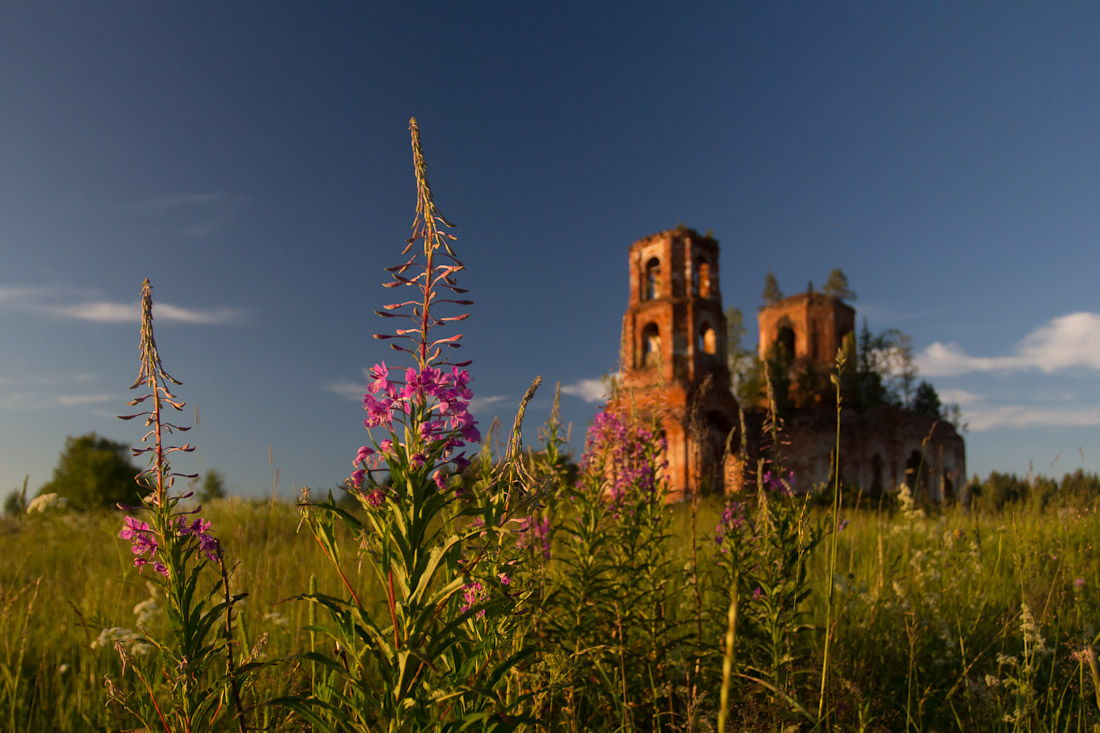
{"type": "Point", "coordinates": [539, 587]}
{"type": "Point", "coordinates": [930, 631]}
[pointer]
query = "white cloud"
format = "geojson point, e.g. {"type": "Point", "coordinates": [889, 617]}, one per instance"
{"type": "Point", "coordinates": [39, 380]}
{"type": "Point", "coordinates": [589, 390]}
{"type": "Point", "coordinates": [44, 300]}
{"type": "Point", "coordinates": [69, 400]}
{"type": "Point", "coordinates": [18, 294]}
{"type": "Point", "coordinates": [979, 416]}
{"type": "Point", "coordinates": [1072, 340]}
{"type": "Point", "coordinates": [107, 312]}
{"type": "Point", "coordinates": [348, 390]}
{"type": "Point", "coordinates": [982, 418]}
{"type": "Point", "coordinates": [37, 401]}
{"type": "Point", "coordinates": [477, 404]}
{"type": "Point", "coordinates": [181, 201]}
{"type": "Point", "coordinates": [959, 396]}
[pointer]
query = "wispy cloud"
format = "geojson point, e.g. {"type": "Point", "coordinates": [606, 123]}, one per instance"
{"type": "Point", "coordinates": [38, 401]}
{"type": "Point", "coordinates": [1072, 340]}
{"type": "Point", "coordinates": [69, 400]}
{"type": "Point", "coordinates": [38, 380]}
{"type": "Point", "coordinates": [348, 390]}
{"type": "Point", "coordinates": [17, 294]}
{"type": "Point", "coordinates": [163, 204]}
{"type": "Point", "coordinates": [200, 214]}
{"type": "Point", "coordinates": [108, 312]}
{"type": "Point", "coordinates": [981, 416]}
{"type": "Point", "coordinates": [45, 300]}
{"type": "Point", "coordinates": [589, 390]}
{"type": "Point", "coordinates": [479, 404]}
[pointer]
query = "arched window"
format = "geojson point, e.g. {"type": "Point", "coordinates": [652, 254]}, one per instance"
{"type": "Point", "coordinates": [702, 274]}
{"type": "Point", "coordinates": [784, 342]}
{"type": "Point", "coordinates": [916, 475]}
{"type": "Point", "coordinates": [708, 339]}
{"type": "Point", "coordinates": [651, 345]}
{"type": "Point", "coordinates": [652, 279]}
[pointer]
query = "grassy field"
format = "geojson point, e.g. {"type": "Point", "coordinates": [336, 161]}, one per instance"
{"type": "Point", "coordinates": [954, 621]}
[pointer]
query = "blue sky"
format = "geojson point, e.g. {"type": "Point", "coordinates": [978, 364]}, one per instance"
{"type": "Point", "coordinates": [253, 162]}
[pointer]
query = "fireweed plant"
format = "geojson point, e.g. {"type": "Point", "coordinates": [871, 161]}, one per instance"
{"type": "Point", "coordinates": [437, 652]}
{"type": "Point", "coordinates": [192, 682]}
{"type": "Point", "coordinates": [607, 637]}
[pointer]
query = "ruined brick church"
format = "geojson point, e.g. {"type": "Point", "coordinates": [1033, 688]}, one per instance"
{"type": "Point", "coordinates": [674, 369]}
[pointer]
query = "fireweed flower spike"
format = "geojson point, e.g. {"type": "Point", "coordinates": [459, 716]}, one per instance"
{"type": "Point", "coordinates": [428, 642]}
{"type": "Point", "coordinates": [179, 546]}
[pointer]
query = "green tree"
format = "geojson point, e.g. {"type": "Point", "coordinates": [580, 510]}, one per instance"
{"type": "Point", "coordinates": [894, 360]}
{"type": "Point", "coordinates": [772, 294]}
{"type": "Point", "coordinates": [927, 401]}
{"type": "Point", "coordinates": [837, 285]}
{"type": "Point", "coordinates": [94, 472]}
{"type": "Point", "coordinates": [870, 391]}
{"type": "Point", "coordinates": [213, 486]}
{"type": "Point", "coordinates": [743, 365]}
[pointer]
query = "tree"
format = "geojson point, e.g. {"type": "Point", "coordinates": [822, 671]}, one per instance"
{"type": "Point", "coordinates": [213, 486]}
{"type": "Point", "coordinates": [870, 391]}
{"type": "Point", "coordinates": [772, 294]}
{"type": "Point", "coordinates": [94, 472]}
{"type": "Point", "coordinates": [927, 401]}
{"type": "Point", "coordinates": [894, 361]}
{"type": "Point", "coordinates": [16, 502]}
{"type": "Point", "coordinates": [837, 285]}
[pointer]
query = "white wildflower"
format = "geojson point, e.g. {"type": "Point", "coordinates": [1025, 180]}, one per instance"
{"type": "Point", "coordinates": [108, 637]}
{"type": "Point", "coordinates": [46, 502]}
{"type": "Point", "coordinates": [1033, 640]}
{"type": "Point", "coordinates": [275, 618]}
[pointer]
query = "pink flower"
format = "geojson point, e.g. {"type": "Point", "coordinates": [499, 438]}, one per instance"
{"type": "Point", "coordinates": [472, 594]}
{"type": "Point", "coordinates": [379, 372]}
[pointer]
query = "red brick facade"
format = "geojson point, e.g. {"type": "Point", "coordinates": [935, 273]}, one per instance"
{"type": "Point", "coordinates": [674, 369]}
{"type": "Point", "coordinates": [674, 338]}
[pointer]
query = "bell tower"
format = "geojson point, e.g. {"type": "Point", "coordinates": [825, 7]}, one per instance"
{"type": "Point", "coordinates": [674, 338]}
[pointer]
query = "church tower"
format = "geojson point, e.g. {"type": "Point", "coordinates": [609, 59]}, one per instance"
{"type": "Point", "coordinates": [674, 355]}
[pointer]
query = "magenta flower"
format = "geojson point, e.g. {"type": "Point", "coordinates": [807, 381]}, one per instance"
{"type": "Point", "coordinates": [144, 545]}
{"type": "Point", "coordinates": [731, 523]}
{"type": "Point", "coordinates": [379, 372]}
{"type": "Point", "coordinates": [535, 534]}
{"type": "Point", "coordinates": [473, 593]}
{"type": "Point", "coordinates": [427, 391]}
